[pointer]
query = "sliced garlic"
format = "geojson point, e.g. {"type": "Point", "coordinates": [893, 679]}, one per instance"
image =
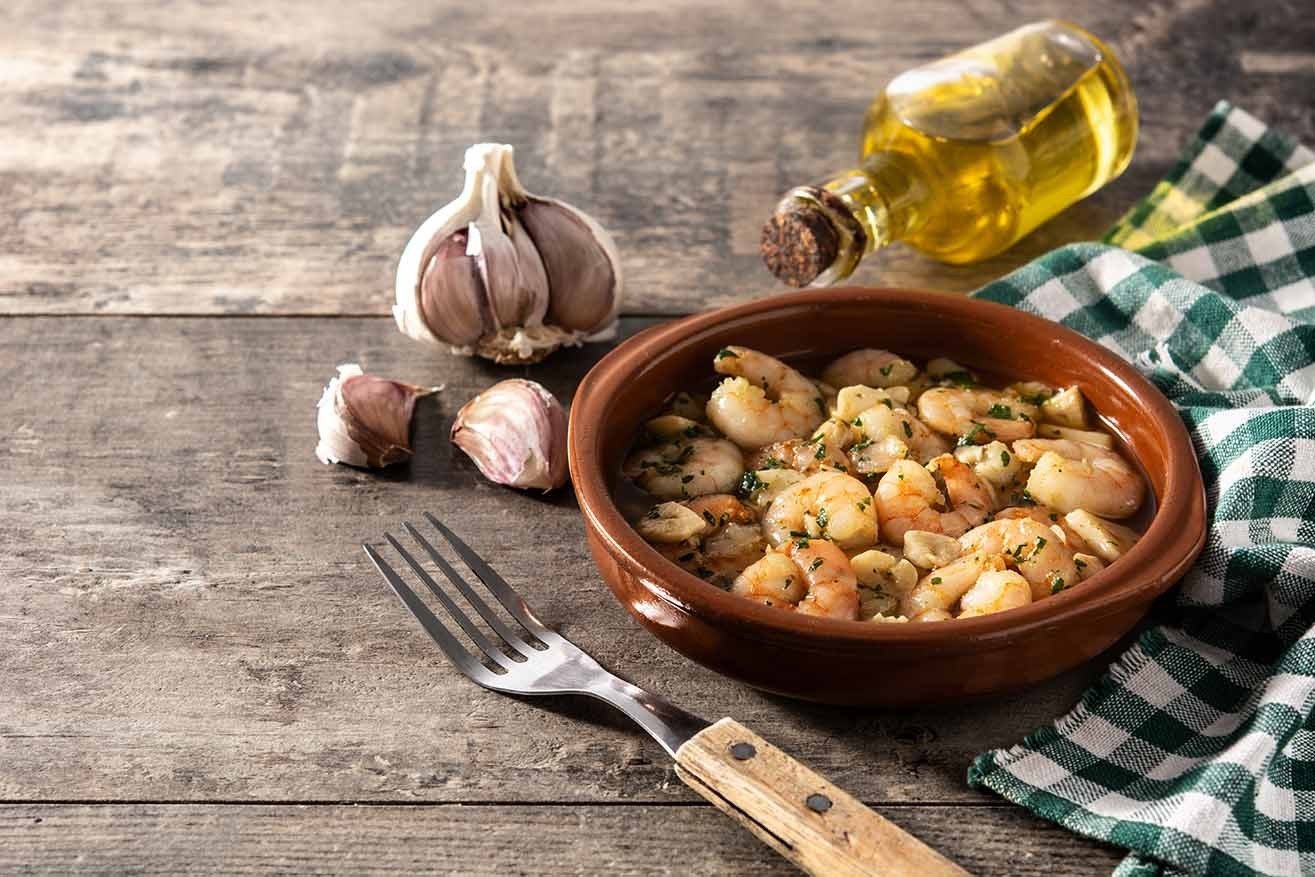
{"type": "Point", "coordinates": [930, 550]}
{"type": "Point", "coordinates": [515, 431]}
{"type": "Point", "coordinates": [365, 420]}
{"type": "Point", "coordinates": [505, 274]}
{"type": "Point", "coordinates": [1107, 540]}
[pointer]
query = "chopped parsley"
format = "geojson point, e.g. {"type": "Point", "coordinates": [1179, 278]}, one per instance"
{"type": "Point", "coordinates": [936, 580]}
{"type": "Point", "coordinates": [822, 518]}
{"type": "Point", "coordinates": [1057, 585]}
{"type": "Point", "coordinates": [692, 430]}
{"type": "Point", "coordinates": [774, 463]}
{"type": "Point", "coordinates": [908, 429]}
{"type": "Point", "coordinates": [959, 378]}
{"type": "Point", "coordinates": [1079, 563]}
{"type": "Point", "coordinates": [821, 451]}
{"type": "Point", "coordinates": [727, 353]}
{"type": "Point", "coordinates": [799, 534]}
{"type": "Point", "coordinates": [653, 514]}
{"type": "Point", "coordinates": [889, 404]}
{"type": "Point", "coordinates": [1040, 543]}
{"type": "Point", "coordinates": [801, 543]}
{"type": "Point", "coordinates": [708, 516]}
{"type": "Point", "coordinates": [1035, 398]}
{"type": "Point", "coordinates": [814, 565]}
{"type": "Point", "coordinates": [750, 483]}
{"type": "Point", "coordinates": [857, 421]}
{"type": "Point", "coordinates": [861, 445]}
{"type": "Point", "coordinates": [885, 369]}
{"type": "Point", "coordinates": [1005, 458]}
{"type": "Point", "coordinates": [1000, 412]}
{"type": "Point", "coordinates": [686, 479]}
{"type": "Point", "coordinates": [978, 435]}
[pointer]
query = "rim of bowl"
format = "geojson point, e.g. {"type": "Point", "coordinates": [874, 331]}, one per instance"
{"type": "Point", "coordinates": [1166, 550]}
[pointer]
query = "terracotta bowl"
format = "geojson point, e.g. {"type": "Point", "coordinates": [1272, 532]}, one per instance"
{"type": "Point", "coordinates": [853, 662]}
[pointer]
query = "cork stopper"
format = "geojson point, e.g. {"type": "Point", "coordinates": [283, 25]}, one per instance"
{"type": "Point", "coordinates": [799, 243]}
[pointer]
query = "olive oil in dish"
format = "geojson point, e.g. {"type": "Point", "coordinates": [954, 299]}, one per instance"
{"type": "Point", "coordinates": [963, 156]}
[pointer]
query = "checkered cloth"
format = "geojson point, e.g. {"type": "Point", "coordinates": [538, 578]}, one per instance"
{"type": "Point", "coordinates": [1196, 752]}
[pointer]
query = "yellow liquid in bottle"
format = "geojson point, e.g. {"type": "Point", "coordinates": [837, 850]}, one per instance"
{"type": "Point", "coordinates": [964, 156]}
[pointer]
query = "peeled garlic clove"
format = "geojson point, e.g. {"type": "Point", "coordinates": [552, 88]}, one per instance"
{"type": "Point", "coordinates": [541, 274]}
{"type": "Point", "coordinates": [365, 420]}
{"type": "Point", "coordinates": [515, 431]}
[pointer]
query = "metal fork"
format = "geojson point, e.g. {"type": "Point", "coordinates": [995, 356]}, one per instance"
{"type": "Point", "coordinates": [797, 812]}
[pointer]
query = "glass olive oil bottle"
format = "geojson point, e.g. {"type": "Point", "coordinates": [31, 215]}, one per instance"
{"type": "Point", "coordinates": [965, 155]}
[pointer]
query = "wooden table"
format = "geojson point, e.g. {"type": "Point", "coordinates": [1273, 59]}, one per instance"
{"type": "Point", "coordinates": [200, 211]}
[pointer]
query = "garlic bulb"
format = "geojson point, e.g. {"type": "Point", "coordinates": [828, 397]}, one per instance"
{"type": "Point", "coordinates": [505, 274]}
{"type": "Point", "coordinates": [515, 431]}
{"type": "Point", "coordinates": [365, 420]}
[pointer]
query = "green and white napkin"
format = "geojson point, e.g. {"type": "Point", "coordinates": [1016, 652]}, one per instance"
{"type": "Point", "coordinates": [1196, 752]}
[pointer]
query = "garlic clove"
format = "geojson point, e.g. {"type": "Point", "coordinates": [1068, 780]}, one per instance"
{"type": "Point", "coordinates": [452, 293]}
{"type": "Point", "coordinates": [515, 432]}
{"type": "Point", "coordinates": [581, 265]}
{"type": "Point", "coordinates": [545, 274]}
{"type": "Point", "coordinates": [364, 420]}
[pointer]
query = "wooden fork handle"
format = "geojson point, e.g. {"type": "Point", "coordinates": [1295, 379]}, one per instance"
{"type": "Point", "coordinates": [796, 811]}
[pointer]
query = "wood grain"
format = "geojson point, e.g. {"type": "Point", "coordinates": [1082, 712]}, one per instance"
{"type": "Point", "coordinates": [799, 813]}
{"type": "Point", "coordinates": [198, 662]}
{"type": "Point", "coordinates": [497, 839]}
{"type": "Point", "coordinates": [188, 614]}
{"type": "Point", "coordinates": [186, 158]}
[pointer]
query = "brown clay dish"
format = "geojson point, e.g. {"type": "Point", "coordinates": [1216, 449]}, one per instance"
{"type": "Point", "coordinates": [854, 662]}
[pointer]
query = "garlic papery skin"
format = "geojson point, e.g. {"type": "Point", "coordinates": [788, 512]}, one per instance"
{"type": "Point", "coordinates": [365, 420]}
{"type": "Point", "coordinates": [506, 274]}
{"type": "Point", "coordinates": [515, 431]}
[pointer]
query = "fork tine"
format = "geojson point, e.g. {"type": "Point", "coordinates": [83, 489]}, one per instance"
{"type": "Point", "coordinates": [449, 644]}
{"type": "Point", "coordinates": [505, 593]}
{"type": "Point", "coordinates": [476, 635]}
{"type": "Point", "coordinates": [515, 640]}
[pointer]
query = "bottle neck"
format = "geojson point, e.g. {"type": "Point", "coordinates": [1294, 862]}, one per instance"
{"type": "Point", "coordinates": [820, 233]}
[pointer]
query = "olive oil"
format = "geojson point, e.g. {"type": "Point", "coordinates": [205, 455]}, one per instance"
{"type": "Point", "coordinates": [965, 155]}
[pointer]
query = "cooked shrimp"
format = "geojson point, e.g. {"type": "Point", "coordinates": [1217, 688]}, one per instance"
{"type": "Point", "coordinates": [1031, 547]}
{"type": "Point", "coordinates": [727, 540]}
{"type": "Point", "coordinates": [977, 416]}
{"type": "Point", "coordinates": [871, 368]}
{"type": "Point", "coordinates": [1051, 518]}
{"type": "Point", "coordinates": [908, 499]}
{"type": "Point", "coordinates": [719, 509]}
{"type": "Point", "coordinates": [832, 585]}
{"type": "Point", "coordinates": [764, 400]}
{"type": "Point", "coordinates": [880, 422]}
{"type": "Point", "coordinates": [686, 467]}
{"type": "Point", "coordinates": [802, 455]}
{"type": "Point", "coordinates": [773, 580]}
{"type": "Point", "coordinates": [942, 588]}
{"type": "Point", "coordinates": [830, 505]}
{"type": "Point", "coordinates": [1071, 475]}
{"type": "Point", "coordinates": [995, 591]}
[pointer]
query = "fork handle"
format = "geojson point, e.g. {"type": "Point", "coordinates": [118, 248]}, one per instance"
{"type": "Point", "coordinates": [796, 811]}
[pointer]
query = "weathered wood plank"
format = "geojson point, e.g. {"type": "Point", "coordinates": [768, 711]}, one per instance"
{"type": "Point", "coordinates": [495, 840]}
{"type": "Point", "coordinates": [187, 614]}
{"type": "Point", "coordinates": [187, 158]}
